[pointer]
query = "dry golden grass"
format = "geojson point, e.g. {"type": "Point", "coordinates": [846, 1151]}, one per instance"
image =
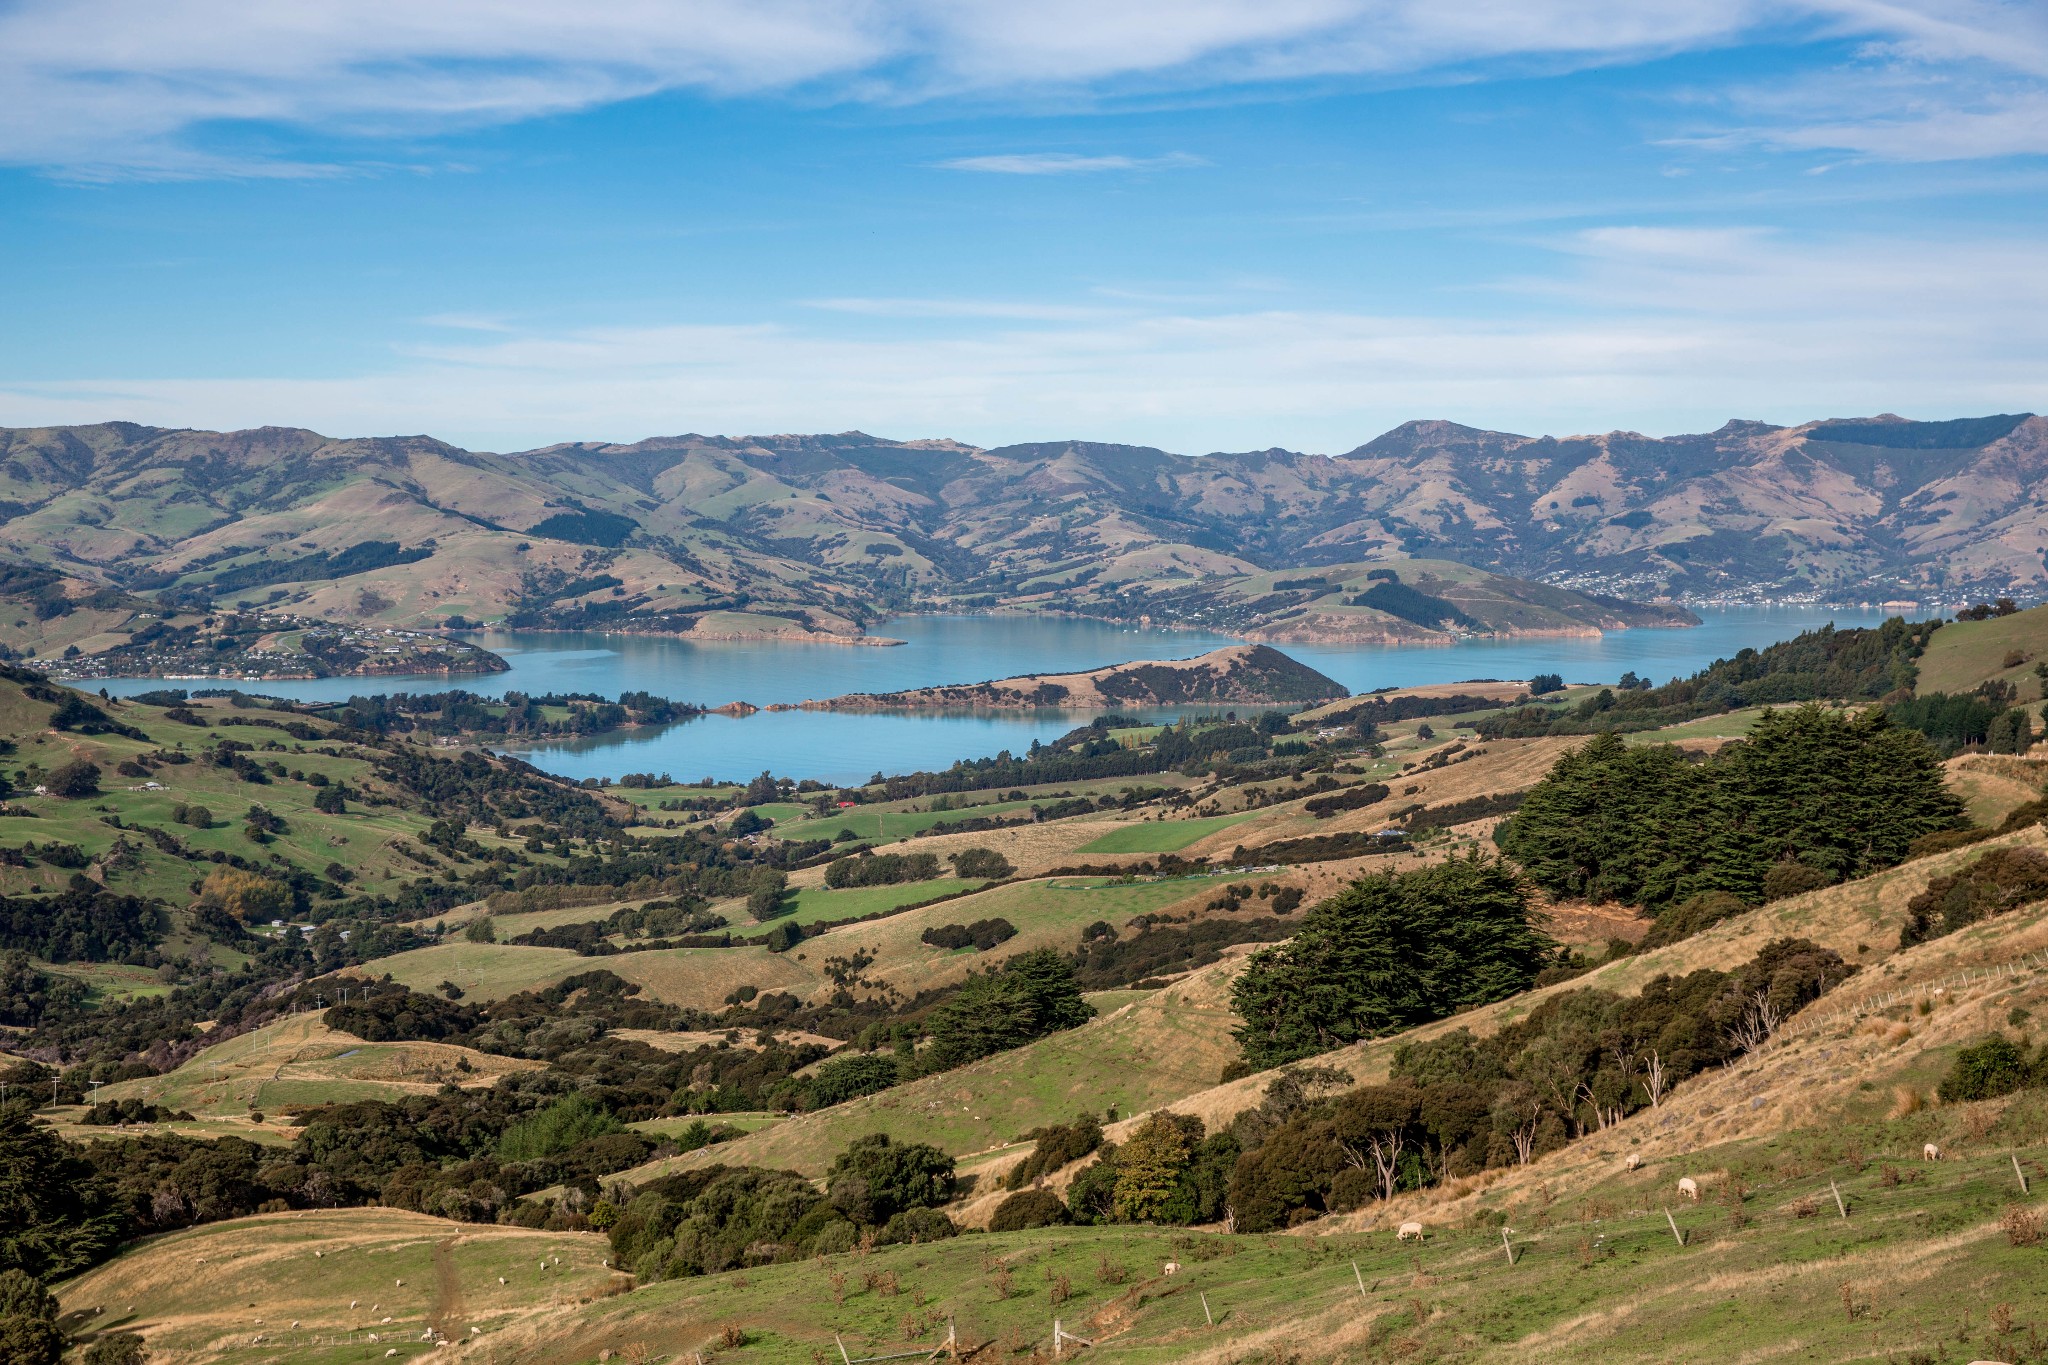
{"type": "Point", "coordinates": [212, 1291]}
{"type": "Point", "coordinates": [299, 1060]}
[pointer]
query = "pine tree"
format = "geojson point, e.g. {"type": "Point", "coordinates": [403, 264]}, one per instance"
{"type": "Point", "coordinates": [1392, 950]}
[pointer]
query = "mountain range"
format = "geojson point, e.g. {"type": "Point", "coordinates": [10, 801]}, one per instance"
{"type": "Point", "coordinates": [823, 535]}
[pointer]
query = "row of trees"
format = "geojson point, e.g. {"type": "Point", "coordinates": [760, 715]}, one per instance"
{"type": "Point", "coordinates": [1829, 793]}
{"type": "Point", "coordinates": [1581, 1061]}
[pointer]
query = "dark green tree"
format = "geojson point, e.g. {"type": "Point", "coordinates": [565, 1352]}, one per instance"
{"type": "Point", "coordinates": [876, 1178]}
{"type": "Point", "coordinates": [56, 1215]}
{"type": "Point", "coordinates": [1393, 950]}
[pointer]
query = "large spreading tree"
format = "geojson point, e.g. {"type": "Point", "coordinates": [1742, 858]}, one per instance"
{"type": "Point", "coordinates": [1392, 950]}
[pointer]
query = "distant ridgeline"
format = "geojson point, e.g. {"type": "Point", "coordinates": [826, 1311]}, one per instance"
{"type": "Point", "coordinates": [1873, 664]}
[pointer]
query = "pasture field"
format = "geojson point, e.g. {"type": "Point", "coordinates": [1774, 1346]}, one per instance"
{"type": "Point", "coordinates": [1916, 1268]}
{"type": "Point", "coordinates": [1963, 654]}
{"type": "Point", "coordinates": [1732, 725]}
{"type": "Point", "coordinates": [1162, 1046]}
{"type": "Point", "coordinates": [1160, 836]}
{"type": "Point", "coordinates": [821, 903]}
{"type": "Point", "coordinates": [234, 1290]}
{"type": "Point", "coordinates": [298, 1060]}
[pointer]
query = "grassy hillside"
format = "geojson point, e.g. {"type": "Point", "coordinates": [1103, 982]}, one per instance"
{"type": "Point", "coordinates": [1963, 654]}
{"type": "Point", "coordinates": [299, 1061]}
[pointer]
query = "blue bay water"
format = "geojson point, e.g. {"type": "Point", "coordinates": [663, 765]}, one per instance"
{"type": "Point", "coordinates": [849, 746]}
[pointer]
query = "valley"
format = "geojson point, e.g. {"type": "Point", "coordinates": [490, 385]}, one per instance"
{"type": "Point", "coordinates": [570, 1007]}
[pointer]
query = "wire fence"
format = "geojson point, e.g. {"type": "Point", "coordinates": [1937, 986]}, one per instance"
{"type": "Point", "coordinates": [1807, 1020]}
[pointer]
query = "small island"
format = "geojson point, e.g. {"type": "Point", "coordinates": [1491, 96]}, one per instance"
{"type": "Point", "coordinates": [1243, 675]}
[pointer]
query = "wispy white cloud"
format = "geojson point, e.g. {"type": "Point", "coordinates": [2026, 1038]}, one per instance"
{"type": "Point", "coordinates": [174, 88]}
{"type": "Point", "coordinates": [1637, 327]}
{"type": "Point", "coordinates": [1068, 163]}
{"type": "Point", "coordinates": [1000, 309]}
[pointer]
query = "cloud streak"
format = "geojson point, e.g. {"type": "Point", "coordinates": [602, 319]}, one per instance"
{"type": "Point", "coordinates": [110, 88]}
{"type": "Point", "coordinates": [1630, 330]}
{"type": "Point", "coordinates": [1068, 163]}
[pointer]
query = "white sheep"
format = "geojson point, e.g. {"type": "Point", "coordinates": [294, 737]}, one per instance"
{"type": "Point", "coordinates": [373, 1336]}
{"type": "Point", "coordinates": [354, 1302]}
{"type": "Point", "coordinates": [390, 1353]}
{"type": "Point", "coordinates": [1170, 1268]}
{"type": "Point", "coordinates": [1407, 1230]}
{"type": "Point", "coordinates": [401, 1284]}
{"type": "Point", "coordinates": [1634, 1161]}
{"type": "Point", "coordinates": [1929, 1152]}
{"type": "Point", "coordinates": [1688, 1188]}
{"type": "Point", "coordinates": [501, 1279]}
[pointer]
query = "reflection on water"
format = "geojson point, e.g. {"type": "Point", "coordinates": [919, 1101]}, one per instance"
{"type": "Point", "coordinates": [942, 649]}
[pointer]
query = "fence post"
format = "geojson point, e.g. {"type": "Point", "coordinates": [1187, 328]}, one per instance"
{"type": "Point", "coordinates": [1206, 1316]}
{"type": "Point", "coordinates": [2020, 1173]}
{"type": "Point", "coordinates": [1507, 1246]}
{"type": "Point", "coordinates": [842, 1349]}
{"type": "Point", "coordinates": [1361, 1281]}
{"type": "Point", "coordinates": [1055, 1338]}
{"type": "Point", "coordinates": [1839, 1205]}
{"type": "Point", "coordinates": [1676, 1235]}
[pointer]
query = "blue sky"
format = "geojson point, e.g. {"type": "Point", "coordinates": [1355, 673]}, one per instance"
{"type": "Point", "coordinates": [1209, 224]}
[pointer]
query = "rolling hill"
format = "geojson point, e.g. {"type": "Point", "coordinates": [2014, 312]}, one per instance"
{"type": "Point", "coordinates": [820, 536]}
{"type": "Point", "coordinates": [1249, 674]}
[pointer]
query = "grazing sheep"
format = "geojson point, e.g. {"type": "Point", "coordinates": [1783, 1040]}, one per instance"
{"type": "Point", "coordinates": [401, 1284]}
{"type": "Point", "coordinates": [1634, 1161]}
{"type": "Point", "coordinates": [1930, 1152]}
{"type": "Point", "coordinates": [501, 1279]}
{"type": "Point", "coordinates": [318, 1254]}
{"type": "Point", "coordinates": [373, 1336]}
{"type": "Point", "coordinates": [390, 1353]}
{"type": "Point", "coordinates": [1407, 1230]}
{"type": "Point", "coordinates": [1688, 1188]}
{"type": "Point", "coordinates": [1170, 1268]}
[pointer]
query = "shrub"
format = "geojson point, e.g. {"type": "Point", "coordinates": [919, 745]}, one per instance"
{"type": "Point", "coordinates": [876, 1178]}
{"type": "Point", "coordinates": [22, 1296]}
{"type": "Point", "coordinates": [977, 863]}
{"type": "Point", "coordinates": [563, 1124]}
{"type": "Point", "coordinates": [1057, 1144]}
{"type": "Point", "coordinates": [845, 1078]}
{"type": "Point", "coordinates": [981, 935]}
{"type": "Point", "coordinates": [117, 1348]}
{"type": "Point", "coordinates": [30, 1341]}
{"type": "Point", "coordinates": [248, 896]}
{"type": "Point", "coordinates": [2001, 880]}
{"type": "Point", "coordinates": [1986, 1069]}
{"type": "Point", "coordinates": [1789, 879]}
{"type": "Point", "coordinates": [881, 869]}
{"type": "Point", "coordinates": [837, 1236]}
{"type": "Point", "coordinates": [74, 781]}
{"type": "Point", "coordinates": [916, 1225]}
{"type": "Point", "coordinates": [197, 816]}
{"type": "Point", "coordinates": [1028, 1209]}
{"type": "Point", "coordinates": [1691, 916]}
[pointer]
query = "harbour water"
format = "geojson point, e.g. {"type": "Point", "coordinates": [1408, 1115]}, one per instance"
{"type": "Point", "coordinates": [848, 746]}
